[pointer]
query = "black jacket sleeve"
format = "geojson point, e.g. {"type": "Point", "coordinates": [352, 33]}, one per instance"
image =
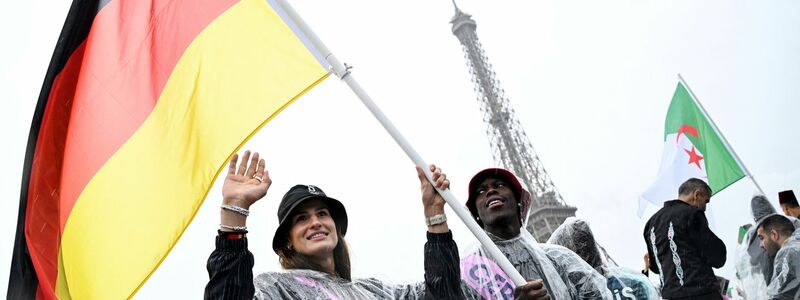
{"type": "Point", "coordinates": [230, 270]}
{"type": "Point", "coordinates": [442, 271]}
{"type": "Point", "coordinates": [711, 248]}
{"type": "Point", "coordinates": [648, 245]}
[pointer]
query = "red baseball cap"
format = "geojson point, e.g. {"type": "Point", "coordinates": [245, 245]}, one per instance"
{"type": "Point", "coordinates": [522, 195]}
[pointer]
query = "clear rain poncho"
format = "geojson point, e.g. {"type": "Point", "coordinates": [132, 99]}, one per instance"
{"type": "Point", "coordinates": [753, 265]}
{"type": "Point", "coordinates": [754, 268]}
{"type": "Point", "coordinates": [750, 280]}
{"type": "Point", "coordinates": [565, 274]}
{"type": "Point", "coordinates": [309, 284]}
{"type": "Point", "coordinates": [576, 235]}
{"type": "Point", "coordinates": [785, 283]}
{"type": "Point", "coordinates": [230, 269]}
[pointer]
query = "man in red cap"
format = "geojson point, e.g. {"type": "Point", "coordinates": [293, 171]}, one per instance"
{"type": "Point", "coordinates": [789, 203]}
{"type": "Point", "coordinates": [499, 204]}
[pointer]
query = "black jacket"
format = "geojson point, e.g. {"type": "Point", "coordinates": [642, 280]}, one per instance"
{"type": "Point", "coordinates": [683, 250]}
{"type": "Point", "coordinates": [230, 271]}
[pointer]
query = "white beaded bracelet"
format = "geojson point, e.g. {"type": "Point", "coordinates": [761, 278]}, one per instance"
{"type": "Point", "coordinates": [237, 209]}
{"type": "Point", "coordinates": [234, 228]}
{"type": "Point", "coordinates": [436, 220]}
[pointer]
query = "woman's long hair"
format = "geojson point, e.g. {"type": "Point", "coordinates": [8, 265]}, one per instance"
{"type": "Point", "coordinates": [291, 259]}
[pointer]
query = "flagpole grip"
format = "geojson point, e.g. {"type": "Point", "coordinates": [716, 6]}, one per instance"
{"type": "Point", "coordinates": [344, 74]}
{"type": "Point", "coordinates": [719, 133]}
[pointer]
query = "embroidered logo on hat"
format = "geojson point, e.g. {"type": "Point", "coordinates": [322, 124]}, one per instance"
{"type": "Point", "coordinates": [312, 189]}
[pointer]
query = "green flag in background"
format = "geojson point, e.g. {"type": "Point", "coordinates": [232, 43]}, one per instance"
{"type": "Point", "coordinates": [692, 148]}
{"type": "Point", "coordinates": [743, 232]}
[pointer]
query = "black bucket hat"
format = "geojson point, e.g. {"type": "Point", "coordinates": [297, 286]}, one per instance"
{"type": "Point", "coordinates": [294, 197]}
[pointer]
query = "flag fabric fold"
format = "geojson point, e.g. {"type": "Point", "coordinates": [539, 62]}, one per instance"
{"type": "Point", "coordinates": [692, 148]}
{"type": "Point", "coordinates": [142, 104]}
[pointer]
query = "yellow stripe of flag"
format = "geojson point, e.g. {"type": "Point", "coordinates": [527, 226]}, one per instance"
{"type": "Point", "coordinates": [242, 70]}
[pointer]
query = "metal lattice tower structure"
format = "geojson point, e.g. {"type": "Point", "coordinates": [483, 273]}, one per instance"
{"type": "Point", "coordinates": [511, 147]}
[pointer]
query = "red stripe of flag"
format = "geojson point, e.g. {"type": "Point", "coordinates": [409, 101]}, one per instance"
{"type": "Point", "coordinates": [106, 90]}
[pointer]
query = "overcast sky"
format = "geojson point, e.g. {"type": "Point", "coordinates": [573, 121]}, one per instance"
{"type": "Point", "coordinates": [590, 83]}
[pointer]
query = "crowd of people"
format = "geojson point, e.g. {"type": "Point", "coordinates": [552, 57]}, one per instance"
{"type": "Point", "coordinates": [681, 249]}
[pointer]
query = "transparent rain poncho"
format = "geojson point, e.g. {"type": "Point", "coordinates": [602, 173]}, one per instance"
{"type": "Point", "coordinates": [785, 283]}
{"type": "Point", "coordinates": [753, 265]}
{"type": "Point", "coordinates": [749, 278]}
{"type": "Point", "coordinates": [754, 268]}
{"type": "Point", "coordinates": [230, 268]}
{"type": "Point", "coordinates": [565, 274]}
{"type": "Point", "coordinates": [576, 235]}
{"type": "Point", "coordinates": [309, 284]}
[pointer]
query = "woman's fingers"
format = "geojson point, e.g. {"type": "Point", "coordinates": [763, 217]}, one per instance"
{"type": "Point", "coordinates": [252, 166]}
{"type": "Point", "coordinates": [243, 164]}
{"type": "Point", "coordinates": [232, 164]}
{"type": "Point", "coordinates": [261, 172]}
{"type": "Point", "coordinates": [267, 180]}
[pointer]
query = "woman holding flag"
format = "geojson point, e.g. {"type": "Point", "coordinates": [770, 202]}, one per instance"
{"type": "Point", "coordinates": [311, 247]}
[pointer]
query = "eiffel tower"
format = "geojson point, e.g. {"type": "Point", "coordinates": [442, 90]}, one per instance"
{"type": "Point", "coordinates": [511, 147]}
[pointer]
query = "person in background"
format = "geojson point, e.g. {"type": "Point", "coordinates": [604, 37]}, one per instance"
{"type": "Point", "coordinates": [682, 248]}
{"type": "Point", "coordinates": [576, 235]}
{"type": "Point", "coordinates": [753, 264]}
{"type": "Point", "coordinates": [789, 203]}
{"type": "Point", "coordinates": [759, 258]}
{"type": "Point", "coordinates": [780, 239]}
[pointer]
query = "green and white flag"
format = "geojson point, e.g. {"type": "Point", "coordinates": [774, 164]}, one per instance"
{"type": "Point", "coordinates": [692, 148]}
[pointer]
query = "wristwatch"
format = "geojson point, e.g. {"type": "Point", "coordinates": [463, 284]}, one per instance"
{"type": "Point", "coordinates": [436, 220]}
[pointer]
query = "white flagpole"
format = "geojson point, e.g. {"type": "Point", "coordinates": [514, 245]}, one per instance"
{"type": "Point", "coordinates": [719, 133]}
{"type": "Point", "coordinates": [344, 74]}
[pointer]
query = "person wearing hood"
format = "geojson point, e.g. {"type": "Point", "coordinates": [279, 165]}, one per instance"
{"type": "Point", "coordinates": [576, 235]}
{"type": "Point", "coordinates": [500, 205]}
{"type": "Point", "coordinates": [759, 258]}
{"type": "Point", "coordinates": [780, 239]}
{"type": "Point", "coordinates": [310, 244]}
{"type": "Point", "coordinates": [754, 265]}
{"type": "Point", "coordinates": [681, 247]}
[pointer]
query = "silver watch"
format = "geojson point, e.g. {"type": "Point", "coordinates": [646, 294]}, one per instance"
{"type": "Point", "coordinates": [436, 220]}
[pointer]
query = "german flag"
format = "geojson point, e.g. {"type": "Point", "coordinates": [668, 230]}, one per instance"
{"type": "Point", "coordinates": [143, 102]}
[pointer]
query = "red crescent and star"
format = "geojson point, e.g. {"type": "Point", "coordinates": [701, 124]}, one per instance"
{"type": "Point", "coordinates": [694, 157]}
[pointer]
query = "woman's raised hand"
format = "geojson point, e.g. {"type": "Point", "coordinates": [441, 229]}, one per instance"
{"type": "Point", "coordinates": [247, 183]}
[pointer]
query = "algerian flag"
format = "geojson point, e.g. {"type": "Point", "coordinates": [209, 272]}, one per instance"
{"type": "Point", "coordinates": [692, 148]}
